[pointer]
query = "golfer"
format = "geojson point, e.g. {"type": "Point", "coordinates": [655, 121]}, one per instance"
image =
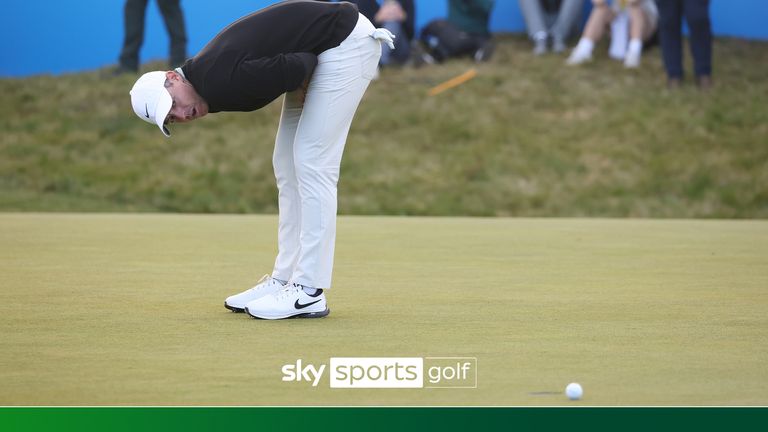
{"type": "Point", "coordinates": [322, 56]}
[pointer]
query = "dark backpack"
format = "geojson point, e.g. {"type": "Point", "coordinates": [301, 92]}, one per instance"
{"type": "Point", "coordinates": [444, 40]}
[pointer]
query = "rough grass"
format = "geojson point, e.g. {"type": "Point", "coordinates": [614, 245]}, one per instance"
{"type": "Point", "coordinates": [127, 310]}
{"type": "Point", "coordinates": [527, 137]}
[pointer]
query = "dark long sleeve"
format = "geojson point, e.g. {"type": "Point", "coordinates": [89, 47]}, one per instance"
{"type": "Point", "coordinates": [272, 51]}
{"type": "Point", "coordinates": [281, 73]}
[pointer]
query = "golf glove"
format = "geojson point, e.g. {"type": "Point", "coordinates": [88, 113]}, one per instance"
{"type": "Point", "coordinates": [384, 35]}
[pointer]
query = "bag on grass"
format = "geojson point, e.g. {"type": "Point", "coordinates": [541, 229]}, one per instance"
{"type": "Point", "coordinates": [444, 40]}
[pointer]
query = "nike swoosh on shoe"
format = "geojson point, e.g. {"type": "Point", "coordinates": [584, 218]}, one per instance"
{"type": "Point", "coordinates": [298, 305]}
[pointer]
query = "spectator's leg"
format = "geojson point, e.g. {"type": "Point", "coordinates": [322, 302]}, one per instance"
{"type": "Point", "coordinates": [133, 17]}
{"type": "Point", "coordinates": [598, 21]}
{"type": "Point", "coordinates": [697, 17]}
{"type": "Point", "coordinates": [638, 32]}
{"type": "Point", "coordinates": [533, 14]}
{"type": "Point", "coordinates": [637, 23]}
{"type": "Point", "coordinates": [174, 23]}
{"type": "Point", "coordinates": [402, 50]}
{"type": "Point", "coordinates": [670, 36]}
{"type": "Point", "coordinates": [570, 12]}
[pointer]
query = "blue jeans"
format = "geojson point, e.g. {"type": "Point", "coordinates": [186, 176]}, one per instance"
{"type": "Point", "coordinates": [696, 14]}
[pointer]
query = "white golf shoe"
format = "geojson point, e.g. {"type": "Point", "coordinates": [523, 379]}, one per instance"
{"type": "Point", "coordinates": [266, 286]}
{"type": "Point", "coordinates": [290, 302]}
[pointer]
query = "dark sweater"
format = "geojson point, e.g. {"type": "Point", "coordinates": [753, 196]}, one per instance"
{"type": "Point", "coordinates": [267, 53]}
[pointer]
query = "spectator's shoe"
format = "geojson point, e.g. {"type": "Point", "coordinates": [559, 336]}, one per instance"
{"type": "Point", "coordinates": [704, 82]}
{"type": "Point", "coordinates": [673, 83]}
{"type": "Point", "coordinates": [558, 45]}
{"type": "Point", "coordinates": [540, 47]}
{"type": "Point", "coordinates": [428, 59]}
{"type": "Point", "coordinates": [485, 52]}
{"type": "Point", "coordinates": [266, 286]}
{"type": "Point", "coordinates": [578, 57]}
{"type": "Point", "coordinates": [632, 60]}
{"type": "Point", "coordinates": [290, 302]}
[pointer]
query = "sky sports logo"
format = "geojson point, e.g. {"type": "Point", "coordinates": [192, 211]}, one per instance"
{"type": "Point", "coordinates": [387, 372]}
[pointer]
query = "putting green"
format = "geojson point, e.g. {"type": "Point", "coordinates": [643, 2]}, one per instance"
{"type": "Point", "coordinates": [109, 309]}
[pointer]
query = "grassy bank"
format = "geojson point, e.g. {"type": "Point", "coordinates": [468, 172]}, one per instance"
{"type": "Point", "coordinates": [527, 137]}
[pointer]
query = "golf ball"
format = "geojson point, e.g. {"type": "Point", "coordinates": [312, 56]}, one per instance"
{"type": "Point", "coordinates": [574, 391]}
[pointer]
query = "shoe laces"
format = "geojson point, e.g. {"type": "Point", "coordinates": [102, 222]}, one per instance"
{"type": "Point", "coordinates": [288, 290]}
{"type": "Point", "coordinates": [261, 281]}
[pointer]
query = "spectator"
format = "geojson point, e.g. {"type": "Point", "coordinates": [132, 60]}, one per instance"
{"type": "Point", "coordinates": [637, 19]}
{"type": "Point", "coordinates": [670, 33]}
{"type": "Point", "coordinates": [134, 12]}
{"type": "Point", "coordinates": [553, 20]}
{"type": "Point", "coordinates": [464, 33]}
{"type": "Point", "coordinates": [397, 16]}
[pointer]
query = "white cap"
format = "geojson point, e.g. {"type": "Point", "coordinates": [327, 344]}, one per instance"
{"type": "Point", "coordinates": [151, 100]}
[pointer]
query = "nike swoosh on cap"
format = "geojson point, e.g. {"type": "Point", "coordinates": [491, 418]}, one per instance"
{"type": "Point", "coordinates": [298, 305]}
{"type": "Point", "coordinates": [146, 108]}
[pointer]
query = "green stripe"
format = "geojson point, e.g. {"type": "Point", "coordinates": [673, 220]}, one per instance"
{"type": "Point", "coordinates": [380, 419]}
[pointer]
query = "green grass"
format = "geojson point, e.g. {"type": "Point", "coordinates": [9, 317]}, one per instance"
{"type": "Point", "coordinates": [127, 310]}
{"type": "Point", "coordinates": [527, 137]}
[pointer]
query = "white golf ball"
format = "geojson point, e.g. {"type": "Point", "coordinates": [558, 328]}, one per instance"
{"type": "Point", "coordinates": [574, 391]}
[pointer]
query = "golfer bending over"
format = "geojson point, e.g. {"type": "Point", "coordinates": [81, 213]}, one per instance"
{"type": "Point", "coordinates": [322, 56]}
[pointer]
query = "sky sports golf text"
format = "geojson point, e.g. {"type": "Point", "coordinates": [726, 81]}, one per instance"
{"type": "Point", "coordinates": [387, 372]}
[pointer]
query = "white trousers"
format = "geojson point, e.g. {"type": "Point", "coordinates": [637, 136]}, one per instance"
{"type": "Point", "coordinates": [308, 149]}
